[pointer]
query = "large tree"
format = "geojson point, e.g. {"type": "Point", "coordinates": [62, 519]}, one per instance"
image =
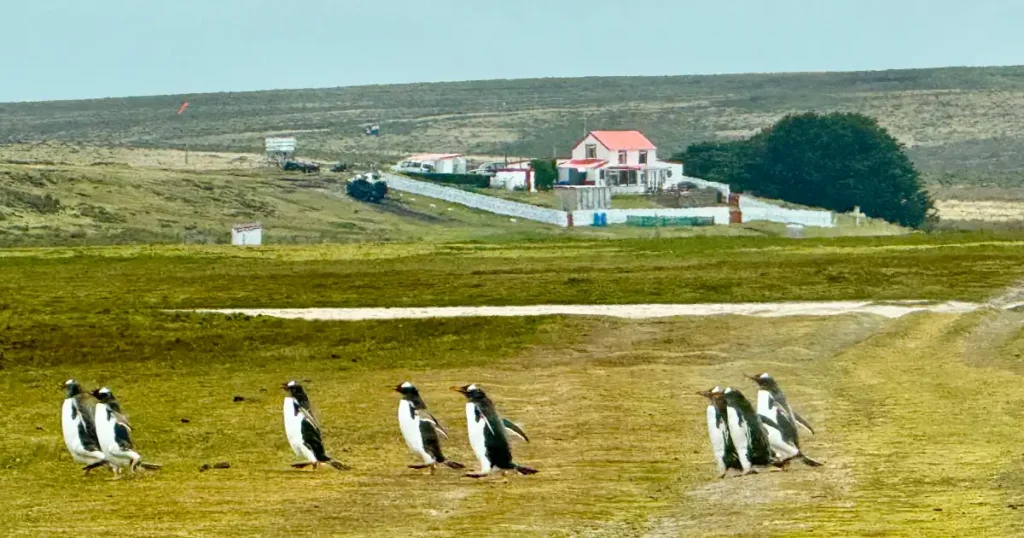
{"type": "Point", "coordinates": [836, 161]}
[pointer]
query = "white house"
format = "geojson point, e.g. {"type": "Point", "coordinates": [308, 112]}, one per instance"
{"type": "Point", "coordinates": [513, 176]}
{"type": "Point", "coordinates": [440, 163]}
{"type": "Point", "coordinates": [626, 161]}
{"type": "Point", "coordinates": [246, 234]}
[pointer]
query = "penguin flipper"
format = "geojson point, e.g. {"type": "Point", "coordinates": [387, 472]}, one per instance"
{"type": "Point", "coordinates": [803, 422]}
{"type": "Point", "coordinates": [434, 424]}
{"type": "Point", "coordinates": [511, 426]}
{"type": "Point", "coordinates": [431, 444]}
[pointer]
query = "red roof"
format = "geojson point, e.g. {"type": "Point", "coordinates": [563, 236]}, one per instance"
{"type": "Point", "coordinates": [623, 140]}
{"type": "Point", "coordinates": [583, 163]}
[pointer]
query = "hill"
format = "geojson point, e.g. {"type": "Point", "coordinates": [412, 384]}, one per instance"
{"type": "Point", "coordinates": [960, 124]}
{"type": "Point", "coordinates": [75, 201]}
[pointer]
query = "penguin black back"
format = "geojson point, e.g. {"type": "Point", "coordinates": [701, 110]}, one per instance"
{"type": "Point", "coordinates": [760, 449]}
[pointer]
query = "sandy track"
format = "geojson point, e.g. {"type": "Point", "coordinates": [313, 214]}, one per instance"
{"type": "Point", "coordinates": [638, 311]}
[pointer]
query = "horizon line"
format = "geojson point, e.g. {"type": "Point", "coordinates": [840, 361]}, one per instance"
{"type": "Point", "coordinates": [467, 81]}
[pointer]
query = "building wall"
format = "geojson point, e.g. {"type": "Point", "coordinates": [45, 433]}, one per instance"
{"type": "Point", "coordinates": [248, 237]}
{"type": "Point", "coordinates": [512, 179]}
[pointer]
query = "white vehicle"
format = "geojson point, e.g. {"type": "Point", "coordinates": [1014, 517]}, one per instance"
{"type": "Point", "coordinates": [488, 168]}
{"type": "Point", "coordinates": [413, 166]}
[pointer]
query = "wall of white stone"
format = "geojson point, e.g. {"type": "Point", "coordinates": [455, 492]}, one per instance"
{"type": "Point", "coordinates": [754, 209]}
{"type": "Point", "coordinates": [478, 201]}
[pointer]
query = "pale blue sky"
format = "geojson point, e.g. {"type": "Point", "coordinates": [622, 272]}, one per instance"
{"type": "Point", "coordinates": [66, 49]}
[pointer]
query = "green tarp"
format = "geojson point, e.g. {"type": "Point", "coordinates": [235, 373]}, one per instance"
{"type": "Point", "coordinates": [651, 222]}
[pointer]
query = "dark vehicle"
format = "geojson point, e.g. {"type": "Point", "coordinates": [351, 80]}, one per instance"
{"type": "Point", "coordinates": [305, 168]}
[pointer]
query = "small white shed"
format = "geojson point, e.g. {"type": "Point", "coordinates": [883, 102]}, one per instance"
{"type": "Point", "coordinates": [247, 234]}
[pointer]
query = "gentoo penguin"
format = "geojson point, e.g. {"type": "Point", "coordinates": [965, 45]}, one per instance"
{"type": "Point", "coordinates": [488, 434]}
{"type": "Point", "coordinates": [747, 432]}
{"type": "Point", "coordinates": [114, 434]}
{"type": "Point", "coordinates": [303, 430]}
{"type": "Point", "coordinates": [421, 430]}
{"type": "Point", "coordinates": [80, 428]}
{"type": "Point", "coordinates": [779, 422]}
{"type": "Point", "coordinates": [718, 431]}
{"type": "Point", "coordinates": [767, 383]}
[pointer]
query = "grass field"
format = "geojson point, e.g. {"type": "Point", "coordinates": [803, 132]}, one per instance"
{"type": "Point", "coordinates": [961, 125]}
{"type": "Point", "coordinates": [916, 418]}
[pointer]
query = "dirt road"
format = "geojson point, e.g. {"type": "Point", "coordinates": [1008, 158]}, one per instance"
{"type": "Point", "coordinates": [639, 311]}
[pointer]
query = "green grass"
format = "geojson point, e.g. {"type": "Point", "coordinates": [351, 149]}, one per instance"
{"type": "Point", "coordinates": [955, 266]}
{"type": "Point", "coordinates": [961, 124]}
{"type": "Point", "coordinates": [901, 407]}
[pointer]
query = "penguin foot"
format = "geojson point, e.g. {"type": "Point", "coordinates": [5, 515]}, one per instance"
{"type": "Point", "coordinates": [150, 466]}
{"type": "Point", "coordinates": [302, 465]}
{"type": "Point", "coordinates": [454, 464]}
{"type": "Point", "coordinates": [524, 470]}
{"type": "Point", "coordinates": [809, 462]}
{"type": "Point", "coordinates": [421, 466]}
{"type": "Point", "coordinates": [338, 465]}
{"type": "Point", "coordinates": [477, 475]}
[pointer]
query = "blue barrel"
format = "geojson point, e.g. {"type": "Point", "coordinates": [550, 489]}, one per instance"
{"type": "Point", "coordinates": [597, 219]}
{"type": "Point", "coordinates": [604, 219]}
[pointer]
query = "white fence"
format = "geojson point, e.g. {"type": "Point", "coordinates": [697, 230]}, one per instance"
{"type": "Point", "coordinates": [751, 208]}
{"type": "Point", "coordinates": [478, 201]}
{"type": "Point", "coordinates": [754, 209]}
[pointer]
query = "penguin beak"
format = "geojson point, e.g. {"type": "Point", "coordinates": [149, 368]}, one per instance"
{"type": "Point", "coordinates": [705, 393]}
{"type": "Point", "coordinates": [398, 388]}
{"type": "Point", "coordinates": [284, 386]}
{"type": "Point", "coordinates": [460, 390]}
{"type": "Point", "coordinates": [755, 378]}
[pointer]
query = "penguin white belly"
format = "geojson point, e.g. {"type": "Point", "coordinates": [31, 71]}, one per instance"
{"type": "Point", "coordinates": [107, 438]}
{"type": "Point", "coordinates": [765, 408]}
{"type": "Point", "coordinates": [476, 437]}
{"type": "Point", "coordinates": [717, 433]}
{"type": "Point", "coordinates": [293, 430]}
{"type": "Point", "coordinates": [410, 426]}
{"type": "Point", "coordinates": [764, 403]}
{"type": "Point", "coordinates": [739, 435]}
{"type": "Point", "coordinates": [71, 435]}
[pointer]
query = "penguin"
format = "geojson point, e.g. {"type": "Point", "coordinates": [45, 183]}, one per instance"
{"type": "Point", "coordinates": [779, 423]}
{"type": "Point", "coordinates": [421, 430]}
{"type": "Point", "coordinates": [767, 383]}
{"type": "Point", "coordinates": [80, 428]}
{"type": "Point", "coordinates": [114, 434]}
{"type": "Point", "coordinates": [303, 430]}
{"type": "Point", "coordinates": [488, 434]}
{"type": "Point", "coordinates": [718, 430]}
{"type": "Point", "coordinates": [747, 432]}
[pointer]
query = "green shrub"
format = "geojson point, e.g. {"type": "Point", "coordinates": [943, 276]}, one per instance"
{"type": "Point", "coordinates": [545, 174]}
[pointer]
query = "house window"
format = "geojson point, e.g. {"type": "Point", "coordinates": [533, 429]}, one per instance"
{"type": "Point", "coordinates": [622, 157]}
{"type": "Point", "coordinates": [643, 157]}
{"type": "Point", "coordinates": [591, 151]}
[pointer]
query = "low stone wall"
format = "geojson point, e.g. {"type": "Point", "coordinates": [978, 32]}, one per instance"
{"type": "Point", "coordinates": [477, 201]}
{"type": "Point", "coordinates": [754, 209]}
